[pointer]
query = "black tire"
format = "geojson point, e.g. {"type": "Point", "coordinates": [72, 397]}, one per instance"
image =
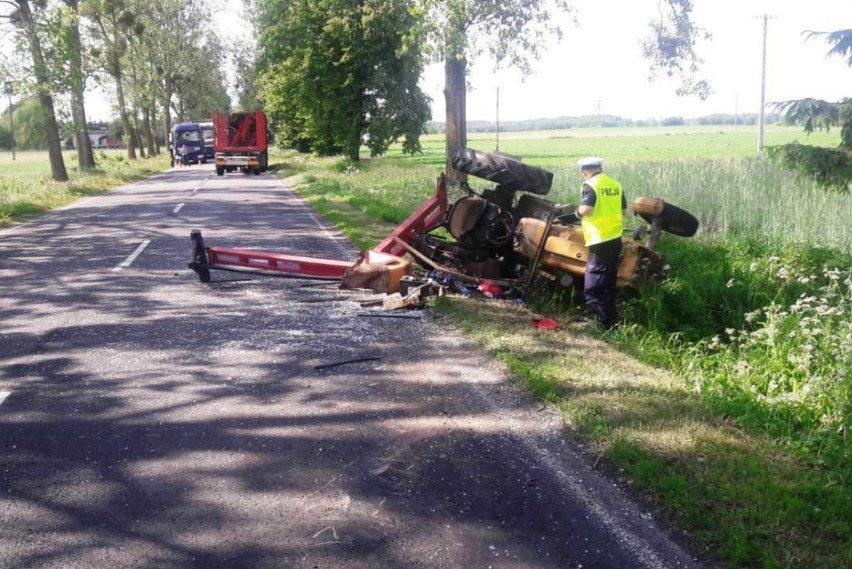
{"type": "Point", "coordinates": [220, 171]}
{"type": "Point", "coordinates": [503, 169]}
{"type": "Point", "coordinates": [673, 220]}
{"type": "Point", "coordinates": [257, 171]}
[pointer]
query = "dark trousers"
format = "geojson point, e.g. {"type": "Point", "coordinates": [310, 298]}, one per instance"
{"type": "Point", "coordinates": [599, 284]}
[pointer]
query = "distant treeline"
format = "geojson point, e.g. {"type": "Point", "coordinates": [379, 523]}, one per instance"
{"type": "Point", "coordinates": [604, 121]}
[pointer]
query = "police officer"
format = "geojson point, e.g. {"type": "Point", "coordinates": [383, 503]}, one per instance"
{"type": "Point", "coordinates": [601, 215]}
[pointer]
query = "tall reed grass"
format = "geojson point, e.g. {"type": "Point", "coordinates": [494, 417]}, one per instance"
{"type": "Point", "coordinates": [751, 198]}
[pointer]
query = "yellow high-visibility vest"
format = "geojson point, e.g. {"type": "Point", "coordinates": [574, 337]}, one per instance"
{"type": "Point", "coordinates": [607, 221]}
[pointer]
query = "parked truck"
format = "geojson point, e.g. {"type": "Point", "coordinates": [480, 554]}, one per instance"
{"type": "Point", "coordinates": [187, 144]}
{"type": "Point", "coordinates": [207, 137]}
{"type": "Point", "coordinates": [240, 142]}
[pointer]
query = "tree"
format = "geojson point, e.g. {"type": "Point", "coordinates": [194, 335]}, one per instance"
{"type": "Point", "coordinates": [31, 125]}
{"type": "Point", "coordinates": [184, 57]}
{"type": "Point", "coordinates": [202, 89]}
{"type": "Point", "coordinates": [511, 31]}
{"type": "Point", "coordinates": [77, 83]}
{"type": "Point", "coordinates": [22, 16]}
{"type": "Point", "coordinates": [113, 22]}
{"type": "Point", "coordinates": [336, 73]}
{"type": "Point", "coordinates": [831, 167]}
{"type": "Point", "coordinates": [671, 47]}
{"type": "Point", "coordinates": [242, 58]}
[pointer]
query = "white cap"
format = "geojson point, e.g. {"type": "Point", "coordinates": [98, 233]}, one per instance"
{"type": "Point", "coordinates": [590, 162]}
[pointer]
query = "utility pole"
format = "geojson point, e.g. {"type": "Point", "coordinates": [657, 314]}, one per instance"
{"type": "Point", "coordinates": [497, 122]}
{"type": "Point", "coordinates": [760, 116]}
{"type": "Point", "coordinates": [11, 123]}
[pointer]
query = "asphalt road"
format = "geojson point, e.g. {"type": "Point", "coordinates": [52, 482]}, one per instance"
{"type": "Point", "coordinates": [150, 420]}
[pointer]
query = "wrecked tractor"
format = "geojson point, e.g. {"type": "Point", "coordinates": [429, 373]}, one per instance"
{"type": "Point", "coordinates": [505, 235]}
{"type": "Point", "coordinates": [511, 233]}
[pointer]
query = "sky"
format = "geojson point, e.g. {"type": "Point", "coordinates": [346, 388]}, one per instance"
{"type": "Point", "coordinates": [598, 66]}
{"type": "Point", "coordinates": [607, 41]}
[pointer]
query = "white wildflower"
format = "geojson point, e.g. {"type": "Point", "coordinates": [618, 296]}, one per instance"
{"type": "Point", "coordinates": [730, 283]}
{"type": "Point", "coordinates": [715, 343]}
{"type": "Point", "coordinates": [832, 274]}
{"type": "Point", "coordinates": [773, 259]}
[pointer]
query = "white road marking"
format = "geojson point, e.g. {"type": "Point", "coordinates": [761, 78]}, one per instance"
{"type": "Point", "coordinates": [4, 395]}
{"type": "Point", "coordinates": [178, 208]}
{"type": "Point", "coordinates": [128, 261]}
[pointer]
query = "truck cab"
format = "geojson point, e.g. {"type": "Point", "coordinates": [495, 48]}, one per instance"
{"type": "Point", "coordinates": [207, 137]}
{"type": "Point", "coordinates": [188, 144]}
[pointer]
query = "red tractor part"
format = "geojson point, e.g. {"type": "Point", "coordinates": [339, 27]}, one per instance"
{"type": "Point", "coordinates": [379, 269]}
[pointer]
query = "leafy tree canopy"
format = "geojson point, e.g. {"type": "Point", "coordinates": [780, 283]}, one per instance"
{"type": "Point", "coordinates": [671, 47]}
{"type": "Point", "coordinates": [336, 73]}
{"type": "Point", "coordinates": [830, 167]}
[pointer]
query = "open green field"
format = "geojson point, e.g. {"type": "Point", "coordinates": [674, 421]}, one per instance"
{"type": "Point", "coordinates": [554, 148]}
{"type": "Point", "coordinates": [26, 187]}
{"type": "Point", "coordinates": [725, 396]}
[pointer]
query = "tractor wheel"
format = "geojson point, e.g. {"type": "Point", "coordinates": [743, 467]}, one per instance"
{"type": "Point", "coordinates": [503, 169]}
{"type": "Point", "coordinates": [671, 218]}
{"type": "Point", "coordinates": [220, 171]}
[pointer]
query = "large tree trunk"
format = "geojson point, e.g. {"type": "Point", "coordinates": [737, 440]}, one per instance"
{"type": "Point", "coordinates": [85, 156]}
{"type": "Point", "coordinates": [137, 132]}
{"type": "Point", "coordinates": [125, 118]}
{"type": "Point", "coordinates": [54, 144]}
{"type": "Point", "coordinates": [146, 129]}
{"type": "Point", "coordinates": [152, 120]}
{"type": "Point", "coordinates": [455, 96]}
{"type": "Point", "coordinates": [167, 121]}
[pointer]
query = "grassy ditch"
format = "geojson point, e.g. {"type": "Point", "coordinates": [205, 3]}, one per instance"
{"type": "Point", "coordinates": [26, 187]}
{"type": "Point", "coordinates": [725, 396]}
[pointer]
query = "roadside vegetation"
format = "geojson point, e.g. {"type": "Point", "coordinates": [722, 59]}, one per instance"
{"type": "Point", "coordinates": [724, 399]}
{"type": "Point", "coordinates": [26, 187]}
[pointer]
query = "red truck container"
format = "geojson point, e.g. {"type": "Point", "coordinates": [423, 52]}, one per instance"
{"type": "Point", "coordinates": [240, 142]}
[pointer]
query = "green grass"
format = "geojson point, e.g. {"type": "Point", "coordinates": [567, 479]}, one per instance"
{"type": "Point", "coordinates": [26, 187]}
{"type": "Point", "coordinates": [725, 397]}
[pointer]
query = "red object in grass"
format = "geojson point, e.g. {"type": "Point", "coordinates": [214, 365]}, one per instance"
{"type": "Point", "coordinates": [490, 289]}
{"type": "Point", "coordinates": [546, 323]}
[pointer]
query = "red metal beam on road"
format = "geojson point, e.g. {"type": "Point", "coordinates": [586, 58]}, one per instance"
{"type": "Point", "coordinates": [428, 216]}
{"type": "Point", "coordinates": [235, 259]}
{"type": "Point", "coordinates": [388, 252]}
